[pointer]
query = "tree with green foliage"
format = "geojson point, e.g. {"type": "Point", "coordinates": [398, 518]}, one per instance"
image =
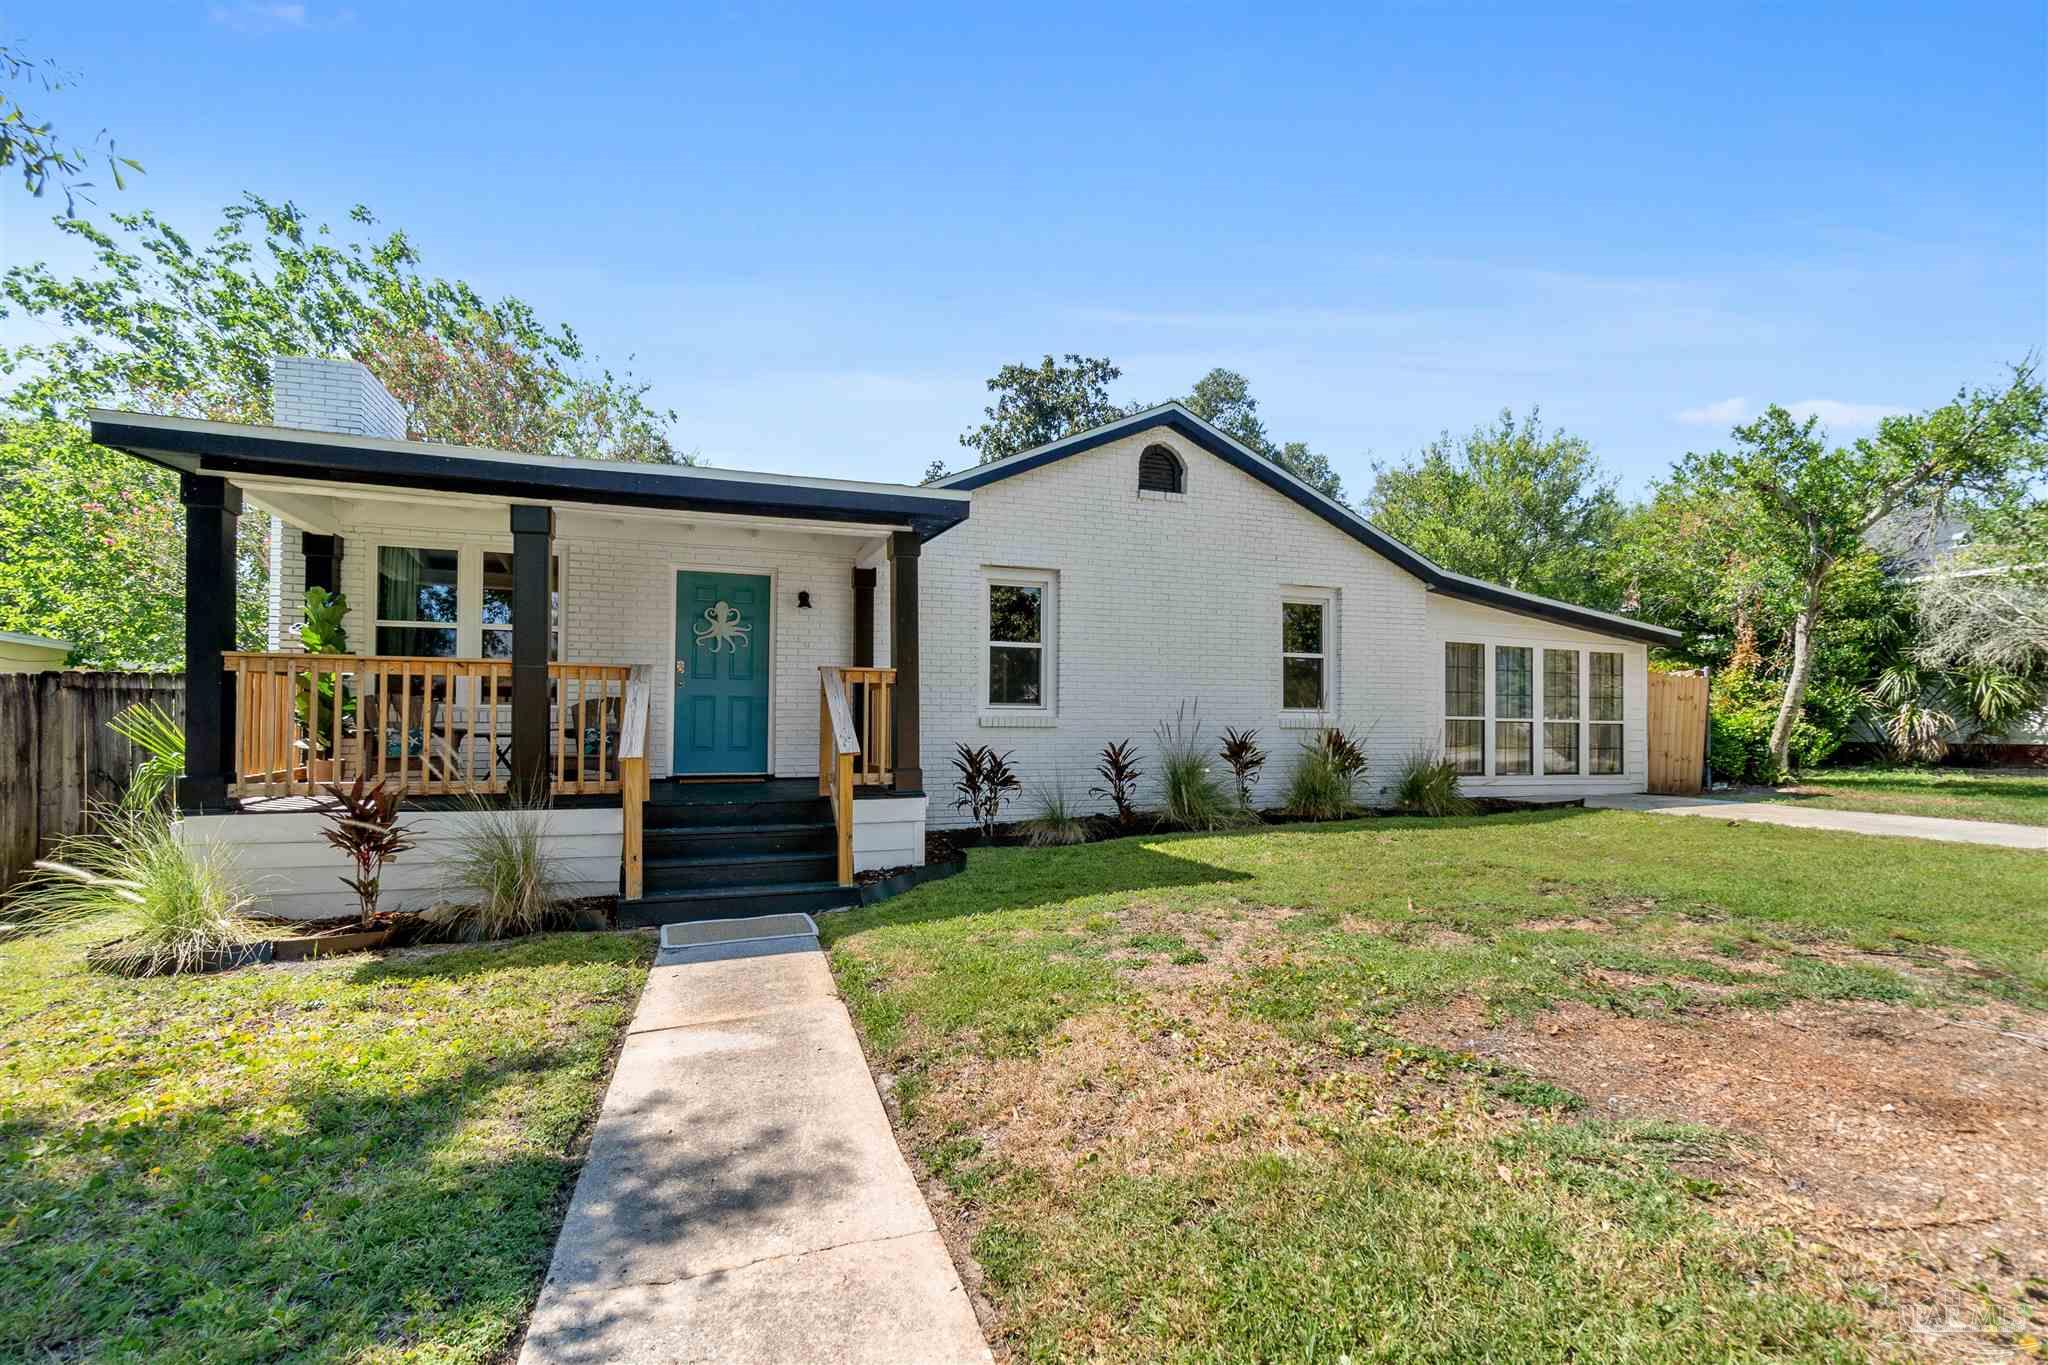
{"type": "Point", "coordinates": [1511, 503]}
{"type": "Point", "coordinates": [1043, 402]}
{"type": "Point", "coordinates": [1223, 399]}
{"type": "Point", "coordinates": [36, 147]}
{"type": "Point", "coordinates": [161, 324]}
{"type": "Point", "coordinates": [1784, 512]}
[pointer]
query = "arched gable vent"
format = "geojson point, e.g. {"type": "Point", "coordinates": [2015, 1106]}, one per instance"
{"type": "Point", "coordinates": [1161, 471]}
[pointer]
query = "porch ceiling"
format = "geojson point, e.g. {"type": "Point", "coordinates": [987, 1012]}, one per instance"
{"type": "Point", "coordinates": [359, 464]}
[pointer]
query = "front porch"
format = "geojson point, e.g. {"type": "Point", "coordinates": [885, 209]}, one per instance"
{"type": "Point", "coordinates": [804, 669]}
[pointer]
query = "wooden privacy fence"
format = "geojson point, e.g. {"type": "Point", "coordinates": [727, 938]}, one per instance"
{"type": "Point", "coordinates": [1678, 732]}
{"type": "Point", "coordinates": [58, 759]}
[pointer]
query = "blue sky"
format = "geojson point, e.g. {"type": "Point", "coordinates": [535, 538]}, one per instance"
{"type": "Point", "coordinates": [817, 231]}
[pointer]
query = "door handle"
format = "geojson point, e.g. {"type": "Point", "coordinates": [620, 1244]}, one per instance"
{"type": "Point", "coordinates": [682, 669]}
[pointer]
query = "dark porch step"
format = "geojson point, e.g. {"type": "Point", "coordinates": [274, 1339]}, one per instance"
{"type": "Point", "coordinates": [729, 902]}
{"type": "Point", "coordinates": [710, 871]}
{"type": "Point", "coordinates": [711, 814]}
{"type": "Point", "coordinates": [685, 841]}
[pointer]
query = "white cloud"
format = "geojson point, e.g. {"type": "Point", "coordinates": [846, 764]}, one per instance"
{"type": "Point", "coordinates": [1726, 412]}
{"type": "Point", "coordinates": [1833, 412]}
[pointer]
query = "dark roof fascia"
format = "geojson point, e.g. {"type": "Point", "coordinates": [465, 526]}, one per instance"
{"type": "Point", "coordinates": [606, 482]}
{"type": "Point", "coordinates": [1437, 578]}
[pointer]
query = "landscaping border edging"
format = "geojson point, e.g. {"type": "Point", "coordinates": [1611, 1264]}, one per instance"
{"type": "Point", "coordinates": [874, 893]}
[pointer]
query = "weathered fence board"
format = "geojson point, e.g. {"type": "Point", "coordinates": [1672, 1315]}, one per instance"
{"type": "Point", "coordinates": [1678, 733]}
{"type": "Point", "coordinates": [60, 759]}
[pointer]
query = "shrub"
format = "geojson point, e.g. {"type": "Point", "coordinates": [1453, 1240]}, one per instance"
{"type": "Point", "coordinates": [1246, 759]}
{"type": "Point", "coordinates": [1428, 784]}
{"type": "Point", "coordinates": [504, 879]}
{"type": "Point", "coordinates": [150, 728]}
{"type": "Point", "coordinates": [986, 781]}
{"type": "Point", "coordinates": [363, 825]}
{"type": "Point", "coordinates": [1325, 781]}
{"type": "Point", "coordinates": [1744, 707]}
{"type": "Point", "coordinates": [1055, 823]}
{"type": "Point", "coordinates": [174, 907]}
{"type": "Point", "coordinates": [1190, 796]}
{"type": "Point", "coordinates": [1119, 772]}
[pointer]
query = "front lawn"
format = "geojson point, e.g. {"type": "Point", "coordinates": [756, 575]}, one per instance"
{"type": "Point", "coordinates": [356, 1160]}
{"type": "Point", "coordinates": [1522, 1087]}
{"type": "Point", "coordinates": [2018, 797]}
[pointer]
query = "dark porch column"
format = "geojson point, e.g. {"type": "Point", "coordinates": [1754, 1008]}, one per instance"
{"type": "Point", "coordinates": [211, 507]}
{"type": "Point", "coordinates": [904, 548]}
{"type": "Point", "coordinates": [323, 562]}
{"type": "Point", "coordinates": [863, 618]}
{"type": "Point", "coordinates": [533, 538]}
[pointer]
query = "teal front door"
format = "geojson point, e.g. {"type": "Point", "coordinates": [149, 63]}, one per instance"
{"type": "Point", "coordinates": [721, 673]}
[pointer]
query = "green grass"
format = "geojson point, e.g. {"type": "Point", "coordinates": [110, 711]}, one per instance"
{"type": "Point", "coordinates": [2019, 798]}
{"type": "Point", "coordinates": [358, 1160]}
{"type": "Point", "coordinates": [1344, 1210]}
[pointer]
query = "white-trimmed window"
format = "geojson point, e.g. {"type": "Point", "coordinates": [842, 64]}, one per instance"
{"type": "Point", "coordinates": [1465, 708]}
{"type": "Point", "coordinates": [453, 603]}
{"type": "Point", "coordinates": [1304, 653]}
{"type": "Point", "coordinates": [1532, 710]}
{"type": "Point", "coordinates": [1018, 664]}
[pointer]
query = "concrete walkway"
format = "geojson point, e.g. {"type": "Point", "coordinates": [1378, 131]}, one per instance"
{"type": "Point", "coordinates": [744, 1198]}
{"type": "Point", "coordinates": [1850, 821]}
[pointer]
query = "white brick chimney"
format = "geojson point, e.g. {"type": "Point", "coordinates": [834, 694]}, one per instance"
{"type": "Point", "coordinates": [313, 394]}
{"type": "Point", "coordinates": [308, 393]}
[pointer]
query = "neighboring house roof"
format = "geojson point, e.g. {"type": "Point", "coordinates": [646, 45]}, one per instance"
{"type": "Point", "coordinates": [8, 637]}
{"type": "Point", "coordinates": [1182, 422]}
{"type": "Point", "coordinates": [229, 448]}
{"type": "Point", "coordinates": [1911, 539]}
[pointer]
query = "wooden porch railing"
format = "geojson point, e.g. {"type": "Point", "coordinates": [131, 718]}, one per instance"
{"type": "Point", "coordinates": [441, 727]}
{"type": "Point", "coordinates": [852, 755]}
{"type": "Point", "coordinates": [634, 789]}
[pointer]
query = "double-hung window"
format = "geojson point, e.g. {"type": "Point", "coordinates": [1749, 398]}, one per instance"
{"type": "Point", "coordinates": [454, 603]}
{"type": "Point", "coordinates": [1548, 712]}
{"type": "Point", "coordinates": [418, 602]}
{"type": "Point", "coordinates": [1304, 655]}
{"type": "Point", "coordinates": [1019, 636]}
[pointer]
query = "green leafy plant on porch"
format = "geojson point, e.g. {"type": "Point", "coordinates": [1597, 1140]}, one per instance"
{"type": "Point", "coordinates": [323, 632]}
{"type": "Point", "coordinates": [172, 907]}
{"type": "Point", "coordinates": [363, 825]}
{"type": "Point", "coordinates": [986, 781]}
{"type": "Point", "coordinates": [150, 728]}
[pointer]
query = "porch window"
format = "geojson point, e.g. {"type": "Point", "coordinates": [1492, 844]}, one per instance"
{"type": "Point", "coordinates": [1465, 708]}
{"type": "Point", "coordinates": [497, 605]}
{"type": "Point", "coordinates": [418, 600]}
{"type": "Point", "coordinates": [1018, 629]}
{"type": "Point", "coordinates": [1304, 659]}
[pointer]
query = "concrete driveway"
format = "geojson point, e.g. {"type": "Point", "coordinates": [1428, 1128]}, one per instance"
{"type": "Point", "coordinates": [744, 1198]}
{"type": "Point", "coordinates": [1848, 821]}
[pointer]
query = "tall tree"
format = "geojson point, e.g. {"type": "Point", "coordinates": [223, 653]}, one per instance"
{"type": "Point", "coordinates": [34, 145]}
{"type": "Point", "coordinates": [1223, 398]}
{"type": "Point", "coordinates": [1794, 510]}
{"type": "Point", "coordinates": [1512, 503]}
{"type": "Point", "coordinates": [162, 324]}
{"type": "Point", "coordinates": [1043, 402]}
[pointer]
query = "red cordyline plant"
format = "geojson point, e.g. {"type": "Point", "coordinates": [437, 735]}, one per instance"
{"type": "Point", "coordinates": [1246, 759]}
{"type": "Point", "coordinates": [364, 825]}
{"type": "Point", "coordinates": [1120, 772]}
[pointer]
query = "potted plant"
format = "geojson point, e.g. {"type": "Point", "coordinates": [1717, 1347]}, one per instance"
{"type": "Point", "coordinates": [319, 694]}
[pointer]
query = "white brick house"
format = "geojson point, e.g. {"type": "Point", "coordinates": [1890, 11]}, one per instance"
{"type": "Point", "coordinates": [1133, 568]}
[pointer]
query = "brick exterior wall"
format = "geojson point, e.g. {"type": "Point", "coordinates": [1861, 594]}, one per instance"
{"type": "Point", "coordinates": [309, 393]}
{"type": "Point", "coordinates": [1162, 599]}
